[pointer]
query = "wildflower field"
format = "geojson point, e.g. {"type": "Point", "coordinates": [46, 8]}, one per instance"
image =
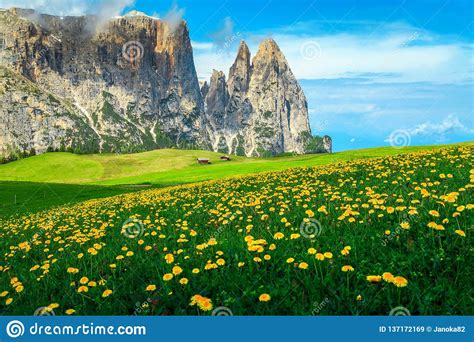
{"type": "Point", "coordinates": [354, 238]}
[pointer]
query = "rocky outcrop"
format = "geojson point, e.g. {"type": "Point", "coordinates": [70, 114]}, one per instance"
{"type": "Point", "coordinates": [32, 120]}
{"type": "Point", "coordinates": [261, 108]}
{"type": "Point", "coordinates": [133, 81]}
{"type": "Point", "coordinates": [130, 85]}
{"type": "Point", "coordinates": [327, 144]}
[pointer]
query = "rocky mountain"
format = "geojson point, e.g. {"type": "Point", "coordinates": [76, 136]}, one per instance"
{"type": "Point", "coordinates": [260, 108]}
{"type": "Point", "coordinates": [130, 84]}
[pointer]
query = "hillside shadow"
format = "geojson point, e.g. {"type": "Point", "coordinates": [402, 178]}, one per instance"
{"type": "Point", "coordinates": [19, 198]}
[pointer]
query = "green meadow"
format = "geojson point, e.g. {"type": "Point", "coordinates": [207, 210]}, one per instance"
{"type": "Point", "coordinates": [58, 178]}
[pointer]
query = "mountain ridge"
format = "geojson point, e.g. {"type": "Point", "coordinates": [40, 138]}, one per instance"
{"type": "Point", "coordinates": [134, 84]}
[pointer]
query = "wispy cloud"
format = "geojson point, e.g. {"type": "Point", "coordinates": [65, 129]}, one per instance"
{"type": "Point", "coordinates": [102, 8]}
{"type": "Point", "coordinates": [174, 16]}
{"type": "Point", "coordinates": [225, 39]}
{"type": "Point", "coordinates": [393, 53]}
{"type": "Point", "coordinates": [450, 124]}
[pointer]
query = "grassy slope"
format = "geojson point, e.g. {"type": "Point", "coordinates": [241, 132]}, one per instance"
{"type": "Point", "coordinates": [53, 179]}
{"type": "Point", "coordinates": [23, 197]}
{"type": "Point", "coordinates": [164, 167]}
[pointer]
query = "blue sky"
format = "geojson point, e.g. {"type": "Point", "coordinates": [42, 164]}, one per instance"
{"type": "Point", "coordinates": [368, 68]}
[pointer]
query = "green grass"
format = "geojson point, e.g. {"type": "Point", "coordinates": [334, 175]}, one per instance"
{"type": "Point", "coordinates": [23, 197]}
{"type": "Point", "coordinates": [53, 179]}
{"type": "Point", "coordinates": [289, 234]}
{"type": "Point", "coordinates": [166, 166]}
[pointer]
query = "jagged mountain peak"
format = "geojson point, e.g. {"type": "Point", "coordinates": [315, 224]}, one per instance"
{"type": "Point", "coordinates": [269, 49]}
{"type": "Point", "coordinates": [243, 51]}
{"type": "Point", "coordinates": [239, 73]}
{"type": "Point", "coordinates": [217, 74]}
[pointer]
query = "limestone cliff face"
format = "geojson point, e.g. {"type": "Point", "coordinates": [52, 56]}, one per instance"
{"type": "Point", "coordinates": [132, 81]}
{"type": "Point", "coordinates": [131, 85]}
{"type": "Point", "coordinates": [261, 107]}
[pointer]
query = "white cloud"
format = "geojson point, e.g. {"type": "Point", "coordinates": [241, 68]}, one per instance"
{"type": "Point", "coordinates": [174, 16]}
{"type": "Point", "coordinates": [398, 53]}
{"type": "Point", "coordinates": [201, 45]}
{"type": "Point", "coordinates": [109, 8]}
{"type": "Point", "coordinates": [225, 39]}
{"type": "Point", "coordinates": [450, 124]}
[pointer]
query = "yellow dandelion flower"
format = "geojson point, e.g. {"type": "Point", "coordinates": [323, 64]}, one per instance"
{"type": "Point", "coordinates": [169, 258]}
{"type": "Point", "coordinates": [278, 236]}
{"type": "Point", "coordinates": [405, 225]}
{"type": "Point", "coordinates": [374, 278]}
{"type": "Point", "coordinates": [83, 289]}
{"type": "Point", "coordinates": [347, 268]}
{"type": "Point", "coordinates": [328, 255]}
{"type": "Point", "coordinates": [177, 270]}
{"type": "Point", "coordinates": [150, 287]}
{"type": "Point", "coordinates": [72, 270]}
{"type": "Point", "coordinates": [168, 277]}
{"type": "Point", "coordinates": [303, 265]}
{"type": "Point", "coordinates": [400, 281]}
{"type": "Point", "coordinates": [264, 297]}
{"type": "Point", "coordinates": [388, 277]}
{"type": "Point", "coordinates": [107, 293]}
